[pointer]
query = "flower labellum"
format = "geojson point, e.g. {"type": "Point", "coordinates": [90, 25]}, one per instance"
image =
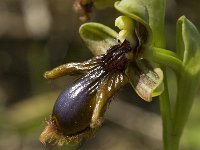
{"type": "Point", "coordinates": [80, 108]}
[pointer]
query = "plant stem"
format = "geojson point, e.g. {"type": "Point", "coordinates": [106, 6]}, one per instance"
{"type": "Point", "coordinates": [168, 59]}
{"type": "Point", "coordinates": [166, 115]}
{"type": "Point", "coordinates": [187, 85]}
{"type": "Point", "coordinates": [165, 58]}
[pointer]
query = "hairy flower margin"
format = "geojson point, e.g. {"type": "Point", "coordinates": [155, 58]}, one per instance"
{"type": "Point", "coordinates": [120, 58]}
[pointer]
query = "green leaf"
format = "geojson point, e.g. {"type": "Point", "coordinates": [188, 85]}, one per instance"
{"type": "Point", "coordinates": [149, 13]}
{"type": "Point", "coordinates": [188, 49]}
{"type": "Point", "coordinates": [146, 80]}
{"type": "Point", "coordinates": [98, 38]}
{"type": "Point", "coordinates": [188, 46]}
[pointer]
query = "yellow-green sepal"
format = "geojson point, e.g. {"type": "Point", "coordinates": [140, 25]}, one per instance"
{"type": "Point", "coordinates": [98, 37]}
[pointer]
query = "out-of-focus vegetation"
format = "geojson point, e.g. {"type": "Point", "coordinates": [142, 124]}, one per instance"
{"type": "Point", "coordinates": [37, 35]}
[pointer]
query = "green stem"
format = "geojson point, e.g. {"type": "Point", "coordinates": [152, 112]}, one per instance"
{"type": "Point", "coordinates": [158, 56]}
{"type": "Point", "coordinates": [166, 115]}
{"type": "Point", "coordinates": [187, 85]}
{"type": "Point", "coordinates": [167, 59]}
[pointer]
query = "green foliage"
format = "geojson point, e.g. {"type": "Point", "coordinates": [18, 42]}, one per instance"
{"type": "Point", "coordinates": [188, 49]}
{"type": "Point", "coordinates": [188, 46]}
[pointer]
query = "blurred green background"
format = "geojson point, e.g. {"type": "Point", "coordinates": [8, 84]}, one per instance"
{"type": "Point", "coordinates": [37, 35]}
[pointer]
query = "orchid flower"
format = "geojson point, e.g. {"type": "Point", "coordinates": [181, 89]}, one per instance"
{"type": "Point", "coordinates": [132, 55]}
{"type": "Point", "coordinates": [119, 58]}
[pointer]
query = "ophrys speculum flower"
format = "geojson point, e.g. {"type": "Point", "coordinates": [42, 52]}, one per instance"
{"type": "Point", "coordinates": [120, 58]}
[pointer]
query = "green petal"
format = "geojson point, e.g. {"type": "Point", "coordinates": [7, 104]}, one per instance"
{"type": "Point", "coordinates": [98, 38]}
{"type": "Point", "coordinates": [149, 13]}
{"type": "Point", "coordinates": [126, 26]}
{"type": "Point", "coordinates": [146, 80]}
{"type": "Point", "coordinates": [188, 46]}
{"type": "Point", "coordinates": [124, 23]}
